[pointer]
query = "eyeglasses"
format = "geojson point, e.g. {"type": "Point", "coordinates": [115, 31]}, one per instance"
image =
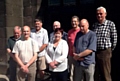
{"type": "Point", "coordinates": [99, 13]}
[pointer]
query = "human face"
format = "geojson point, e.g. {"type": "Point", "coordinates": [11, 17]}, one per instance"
{"type": "Point", "coordinates": [101, 15]}
{"type": "Point", "coordinates": [26, 32]}
{"type": "Point", "coordinates": [75, 23]}
{"type": "Point", "coordinates": [38, 25]}
{"type": "Point", "coordinates": [84, 26]}
{"type": "Point", "coordinates": [56, 25]}
{"type": "Point", "coordinates": [17, 33]}
{"type": "Point", "coordinates": [58, 36]}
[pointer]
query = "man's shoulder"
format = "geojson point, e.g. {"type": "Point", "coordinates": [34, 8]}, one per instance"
{"type": "Point", "coordinates": [11, 38]}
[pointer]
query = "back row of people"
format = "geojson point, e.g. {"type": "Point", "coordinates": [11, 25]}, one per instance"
{"type": "Point", "coordinates": [79, 46]}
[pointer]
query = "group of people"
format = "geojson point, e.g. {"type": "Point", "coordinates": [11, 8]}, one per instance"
{"type": "Point", "coordinates": [79, 55]}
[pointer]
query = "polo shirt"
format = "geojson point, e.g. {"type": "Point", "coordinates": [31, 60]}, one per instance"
{"type": "Point", "coordinates": [41, 37]}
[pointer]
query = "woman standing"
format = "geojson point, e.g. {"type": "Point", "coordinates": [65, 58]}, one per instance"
{"type": "Point", "coordinates": [57, 51]}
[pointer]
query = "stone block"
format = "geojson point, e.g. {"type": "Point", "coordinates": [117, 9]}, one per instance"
{"type": "Point", "coordinates": [26, 3]}
{"type": "Point", "coordinates": [2, 32]}
{"type": "Point", "coordinates": [33, 2]}
{"type": "Point", "coordinates": [12, 21]}
{"type": "Point", "coordinates": [2, 43]}
{"type": "Point", "coordinates": [28, 11]}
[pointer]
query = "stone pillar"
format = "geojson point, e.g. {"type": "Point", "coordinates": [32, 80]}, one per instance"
{"type": "Point", "coordinates": [30, 11]}
{"type": "Point", "coordinates": [11, 14]}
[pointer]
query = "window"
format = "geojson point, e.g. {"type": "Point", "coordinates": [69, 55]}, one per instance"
{"type": "Point", "coordinates": [69, 2]}
{"type": "Point", "coordinates": [53, 2]}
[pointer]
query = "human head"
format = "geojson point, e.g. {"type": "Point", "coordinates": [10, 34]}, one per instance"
{"type": "Point", "coordinates": [26, 32]}
{"type": "Point", "coordinates": [38, 24]}
{"type": "Point", "coordinates": [84, 25]}
{"type": "Point", "coordinates": [56, 24]}
{"type": "Point", "coordinates": [17, 32]}
{"type": "Point", "coordinates": [58, 33]}
{"type": "Point", "coordinates": [75, 21]}
{"type": "Point", "coordinates": [101, 14]}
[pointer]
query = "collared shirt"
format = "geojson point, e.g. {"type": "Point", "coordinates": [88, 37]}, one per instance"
{"type": "Point", "coordinates": [106, 34]}
{"type": "Point", "coordinates": [71, 37]}
{"type": "Point", "coordinates": [41, 37]}
{"type": "Point", "coordinates": [11, 41]}
{"type": "Point", "coordinates": [63, 37]}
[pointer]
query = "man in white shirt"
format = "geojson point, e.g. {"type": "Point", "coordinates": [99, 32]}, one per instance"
{"type": "Point", "coordinates": [25, 51]}
{"type": "Point", "coordinates": [40, 35]}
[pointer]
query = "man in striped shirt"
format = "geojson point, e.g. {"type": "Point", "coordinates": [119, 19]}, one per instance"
{"type": "Point", "coordinates": [106, 43]}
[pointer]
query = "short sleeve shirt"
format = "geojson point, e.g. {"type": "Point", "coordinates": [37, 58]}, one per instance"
{"type": "Point", "coordinates": [83, 42]}
{"type": "Point", "coordinates": [25, 49]}
{"type": "Point", "coordinates": [41, 37]}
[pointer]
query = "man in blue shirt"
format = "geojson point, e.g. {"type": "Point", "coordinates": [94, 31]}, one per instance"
{"type": "Point", "coordinates": [84, 52]}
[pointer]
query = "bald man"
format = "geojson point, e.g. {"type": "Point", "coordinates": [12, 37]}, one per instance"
{"type": "Point", "coordinates": [10, 43]}
{"type": "Point", "coordinates": [56, 24]}
{"type": "Point", "coordinates": [25, 51]}
{"type": "Point", "coordinates": [84, 52]}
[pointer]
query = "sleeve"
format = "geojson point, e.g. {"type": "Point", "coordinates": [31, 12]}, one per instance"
{"type": "Point", "coordinates": [48, 59]}
{"type": "Point", "coordinates": [92, 42]}
{"type": "Point", "coordinates": [36, 47]}
{"type": "Point", "coordinates": [45, 40]}
{"type": "Point", "coordinates": [65, 36]}
{"type": "Point", "coordinates": [64, 52]}
{"type": "Point", "coordinates": [15, 49]}
{"type": "Point", "coordinates": [113, 35]}
{"type": "Point", "coordinates": [8, 43]}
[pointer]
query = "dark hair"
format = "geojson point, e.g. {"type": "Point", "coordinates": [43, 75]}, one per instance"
{"type": "Point", "coordinates": [75, 17]}
{"type": "Point", "coordinates": [38, 20]}
{"type": "Point", "coordinates": [58, 30]}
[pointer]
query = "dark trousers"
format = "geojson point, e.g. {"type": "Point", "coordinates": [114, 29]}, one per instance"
{"type": "Point", "coordinates": [103, 65]}
{"type": "Point", "coordinates": [12, 70]}
{"type": "Point", "coordinates": [59, 76]}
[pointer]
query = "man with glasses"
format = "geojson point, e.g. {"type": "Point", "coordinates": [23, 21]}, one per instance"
{"type": "Point", "coordinates": [106, 43]}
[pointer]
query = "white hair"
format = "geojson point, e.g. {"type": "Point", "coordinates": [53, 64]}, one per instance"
{"type": "Point", "coordinates": [57, 23]}
{"type": "Point", "coordinates": [101, 7]}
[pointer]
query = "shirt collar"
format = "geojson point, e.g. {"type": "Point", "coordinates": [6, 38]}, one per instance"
{"type": "Point", "coordinates": [103, 24]}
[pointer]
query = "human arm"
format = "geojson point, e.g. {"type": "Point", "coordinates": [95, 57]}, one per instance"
{"type": "Point", "coordinates": [113, 36]}
{"type": "Point", "coordinates": [45, 41]}
{"type": "Point", "coordinates": [90, 47]}
{"type": "Point", "coordinates": [48, 58]}
{"type": "Point", "coordinates": [10, 53]}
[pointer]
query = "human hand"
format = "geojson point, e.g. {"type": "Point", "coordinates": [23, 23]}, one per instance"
{"type": "Point", "coordinates": [52, 64]}
{"type": "Point", "coordinates": [76, 57]}
{"type": "Point", "coordinates": [25, 69]}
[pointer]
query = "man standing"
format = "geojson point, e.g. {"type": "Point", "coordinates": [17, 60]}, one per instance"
{"type": "Point", "coordinates": [57, 24]}
{"type": "Point", "coordinates": [25, 51]}
{"type": "Point", "coordinates": [71, 37]}
{"type": "Point", "coordinates": [40, 35]}
{"type": "Point", "coordinates": [84, 52]}
{"type": "Point", "coordinates": [10, 43]}
{"type": "Point", "coordinates": [106, 43]}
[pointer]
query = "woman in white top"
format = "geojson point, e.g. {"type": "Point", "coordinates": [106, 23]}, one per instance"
{"type": "Point", "coordinates": [57, 51]}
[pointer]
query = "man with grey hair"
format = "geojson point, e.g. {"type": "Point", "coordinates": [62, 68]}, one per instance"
{"type": "Point", "coordinates": [56, 24]}
{"type": "Point", "coordinates": [106, 43]}
{"type": "Point", "coordinates": [10, 43]}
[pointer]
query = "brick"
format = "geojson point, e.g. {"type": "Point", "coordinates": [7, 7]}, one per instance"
{"type": "Point", "coordinates": [2, 33]}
